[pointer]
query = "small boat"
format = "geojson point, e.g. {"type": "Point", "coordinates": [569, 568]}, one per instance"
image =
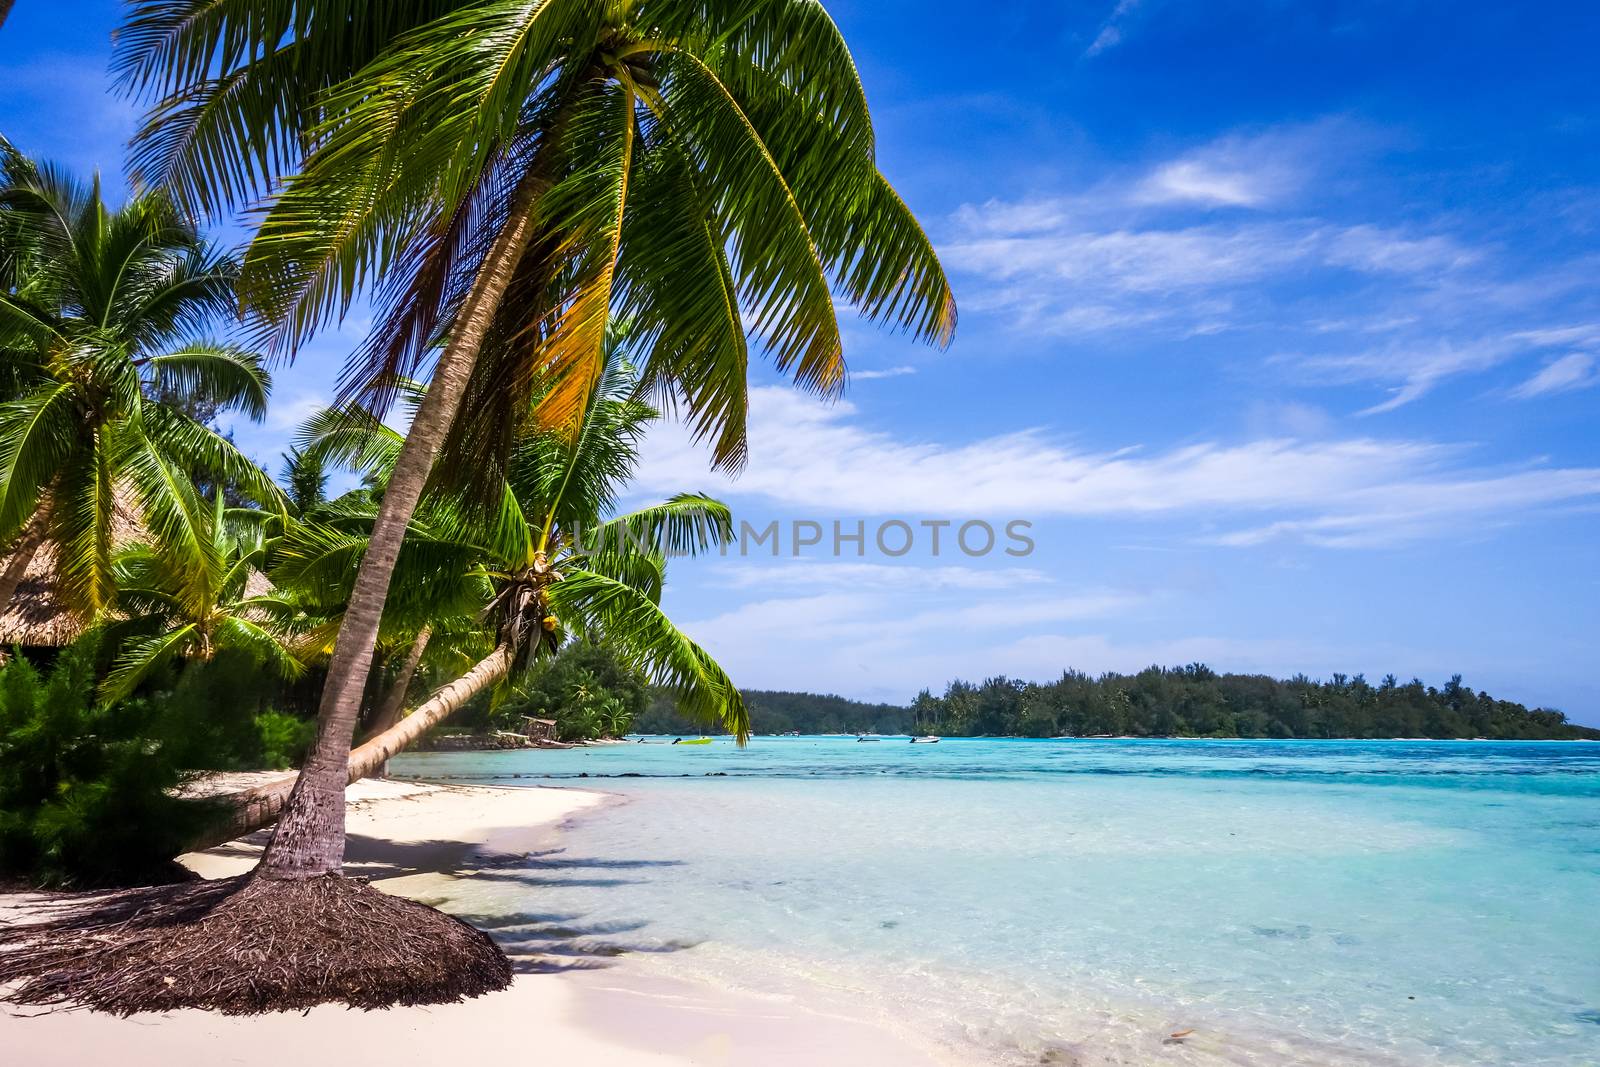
{"type": "Point", "coordinates": [864, 737]}
{"type": "Point", "coordinates": [693, 741]}
{"type": "Point", "coordinates": [924, 740]}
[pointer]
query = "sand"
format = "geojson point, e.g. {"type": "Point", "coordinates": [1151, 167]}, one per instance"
{"type": "Point", "coordinates": [404, 836]}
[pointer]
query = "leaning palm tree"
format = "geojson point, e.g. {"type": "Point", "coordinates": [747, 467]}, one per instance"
{"type": "Point", "coordinates": [101, 314]}
{"type": "Point", "coordinates": [526, 171]}
{"type": "Point", "coordinates": [546, 565]}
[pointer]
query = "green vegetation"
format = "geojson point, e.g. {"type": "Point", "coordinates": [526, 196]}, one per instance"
{"type": "Point", "coordinates": [1195, 701]}
{"type": "Point", "coordinates": [84, 786]}
{"type": "Point", "coordinates": [777, 712]}
{"type": "Point", "coordinates": [284, 739]}
{"type": "Point", "coordinates": [1192, 701]}
{"type": "Point", "coordinates": [587, 690]}
{"type": "Point", "coordinates": [208, 620]}
{"type": "Point", "coordinates": [103, 360]}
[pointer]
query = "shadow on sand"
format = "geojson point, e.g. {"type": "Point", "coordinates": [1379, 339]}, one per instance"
{"type": "Point", "coordinates": [536, 942]}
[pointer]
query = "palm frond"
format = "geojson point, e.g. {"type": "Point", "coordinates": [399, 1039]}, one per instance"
{"type": "Point", "coordinates": [783, 284]}
{"type": "Point", "coordinates": [225, 375]}
{"type": "Point", "coordinates": [237, 632]}
{"type": "Point", "coordinates": [142, 656]}
{"type": "Point", "coordinates": [685, 525]}
{"type": "Point", "coordinates": [644, 638]}
{"type": "Point", "coordinates": [37, 433]}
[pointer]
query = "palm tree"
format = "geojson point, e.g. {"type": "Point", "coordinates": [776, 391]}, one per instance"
{"type": "Point", "coordinates": [104, 362]}
{"type": "Point", "coordinates": [526, 170]}
{"type": "Point", "coordinates": [173, 611]}
{"type": "Point", "coordinates": [545, 564]}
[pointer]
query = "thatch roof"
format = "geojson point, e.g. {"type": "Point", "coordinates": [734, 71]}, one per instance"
{"type": "Point", "coordinates": [36, 616]}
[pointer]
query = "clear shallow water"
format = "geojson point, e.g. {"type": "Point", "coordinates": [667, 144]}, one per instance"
{"type": "Point", "coordinates": [1292, 902]}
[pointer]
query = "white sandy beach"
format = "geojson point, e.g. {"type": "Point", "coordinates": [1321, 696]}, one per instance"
{"type": "Point", "coordinates": [406, 836]}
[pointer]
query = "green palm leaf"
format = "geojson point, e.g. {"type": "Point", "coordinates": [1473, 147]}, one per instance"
{"type": "Point", "coordinates": [142, 656]}
{"type": "Point", "coordinates": [642, 635]}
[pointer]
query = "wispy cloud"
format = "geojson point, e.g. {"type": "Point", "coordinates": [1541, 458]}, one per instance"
{"type": "Point", "coordinates": [1382, 250]}
{"type": "Point", "coordinates": [1196, 181]}
{"type": "Point", "coordinates": [1415, 366]}
{"type": "Point", "coordinates": [803, 573]}
{"type": "Point", "coordinates": [1111, 30]}
{"type": "Point", "coordinates": [886, 372]}
{"type": "Point", "coordinates": [1252, 170]}
{"type": "Point", "coordinates": [288, 413]}
{"type": "Point", "coordinates": [1401, 355]}
{"type": "Point", "coordinates": [792, 642]}
{"type": "Point", "coordinates": [1576, 370]}
{"type": "Point", "coordinates": [1335, 492]}
{"type": "Point", "coordinates": [1217, 239]}
{"type": "Point", "coordinates": [1039, 264]}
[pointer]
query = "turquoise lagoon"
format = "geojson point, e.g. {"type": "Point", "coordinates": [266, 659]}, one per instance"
{"type": "Point", "coordinates": [1079, 901]}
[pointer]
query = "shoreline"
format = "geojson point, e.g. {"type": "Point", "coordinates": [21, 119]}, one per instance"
{"type": "Point", "coordinates": [419, 840]}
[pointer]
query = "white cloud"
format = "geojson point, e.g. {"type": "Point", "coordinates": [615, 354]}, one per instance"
{"type": "Point", "coordinates": [810, 457]}
{"type": "Point", "coordinates": [1144, 255]}
{"type": "Point", "coordinates": [1192, 180]}
{"type": "Point", "coordinates": [860, 645]}
{"type": "Point", "coordinates": [1575, 370]}
{"type": "Point", "coordinates": [802, 573]}
{"type": "Point", "coordinates": [860, 617]}
{"type": "Point", "coordinates": [1108, 37]}
{"type": "Point", "coordinates": [287, 415]}
{"type": "Point", "coordinates": [1420, 507]}
{"type": "Point", "coordinates": [1380, 250]}
{"type": "Point", "coordinates": [877, 644]}
{"type": "Point", "coordinates": [1257, 168]}
{"type": "Point", "coordinates": [1584, 335]}
{"type": "Point", "coordinates": [1129, 260]}
{"type": "Point", "coordinates": [886, 372]}
{"type": "Point", "coordinates": [1080, 266]}
{"type": "Point", "coordinates": [1417, 366]}
{"type": "Point", "coordinates": [1111, 30]}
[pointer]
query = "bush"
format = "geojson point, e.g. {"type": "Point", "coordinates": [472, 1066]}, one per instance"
{"type": "Point", "coordinates": [285, 739]}
{"type": "Point", "coordinates": [585, 689]}
{"type": "Point", "coordinates": [84, 789]}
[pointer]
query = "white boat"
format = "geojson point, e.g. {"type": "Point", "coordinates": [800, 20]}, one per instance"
{"type": "Point", "coordinates": [924, 740]}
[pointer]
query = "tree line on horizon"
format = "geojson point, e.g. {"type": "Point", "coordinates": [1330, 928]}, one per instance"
{"type": "Point", "coordinates": [1188, 701]}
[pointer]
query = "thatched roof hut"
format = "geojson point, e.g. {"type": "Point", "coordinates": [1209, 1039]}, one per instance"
{"type": "Point", "coordinates": [36, 616]}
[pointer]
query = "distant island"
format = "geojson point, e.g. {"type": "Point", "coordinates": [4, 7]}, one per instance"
{"type": "Point", "coordinates": [1190, 701]}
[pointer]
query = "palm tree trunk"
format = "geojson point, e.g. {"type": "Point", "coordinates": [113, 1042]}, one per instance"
{"type": "Point", "coordinates": [255, 808]}
{"type": "Point", "coordinates": [22, 553]}
{"type": "Point", "coordinates": [394, 701]}
{"type": "Point", "coordinates": [309, 840]}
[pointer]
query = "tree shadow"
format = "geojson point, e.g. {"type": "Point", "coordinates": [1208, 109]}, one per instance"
{"type": "Point", "coordinates": [555, 942]}
{"type": "Point", "coordinates": [536, 942]}
{"type": "Point", "coordinates": [552, 858]}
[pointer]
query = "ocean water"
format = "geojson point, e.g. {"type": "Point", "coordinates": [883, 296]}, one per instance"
{"type": "Point", "coordinates": [1081, 901]}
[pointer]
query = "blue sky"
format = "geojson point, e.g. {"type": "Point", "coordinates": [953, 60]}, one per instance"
{"type": "Point", "coordinates": [1280, 324]}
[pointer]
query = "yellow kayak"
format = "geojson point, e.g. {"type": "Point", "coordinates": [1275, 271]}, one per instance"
{"type": "Point", "coordinates": [693, 741]}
